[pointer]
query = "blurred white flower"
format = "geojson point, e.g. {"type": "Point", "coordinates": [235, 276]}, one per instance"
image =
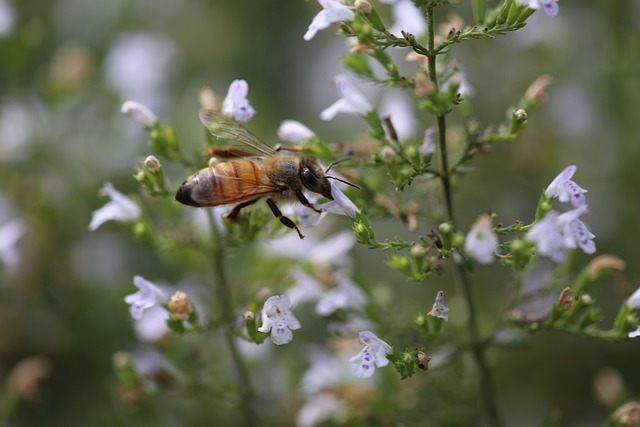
{"type": "Point", "coordinates": [324, 372]}
{"type": "Point", "coordinates": [148, 295]}
{"type": "Point", "coordinates": [345, 295]}
{"type": "Point", "coordinates": [294, 131]}
{"type": "Point", "coordinates": [10, 233]}
{"type": "Point", "coordinates": [549, 6]}
{"type": "Point", "coordinates": [555, 233]}
{"type": "Point", "coordinates": [152, 326]}
{"type": "Point", "coordinates": [306, 288]}
{"type": "Point", "coordinates": [236, 103]}
{"type": "Point", "coordinates": [332, 250]}
{"type": "Point", "coordinates": [138, 66]}
{"type": "Point", "coordinates": [318, 408]}
{"type": "Point", "coordinates": [408, 18]}
{"type": "Point", "coordinates": [399, 109]}
{"type": "Point", "coordinates": [139, 112]}
{"type": "Point", "coordinates": [332, 11]}
{"type": "Point", "coordinates": [352, 101]}
{"type": "Point", "coordinates": [439, 309]}
{"type": "Point", "coordinates": [120, 208]}
{"type": "Point", "coordinates": [481, 241]}
{"type": "Point", "coordinates": [566, 190]}
{"type": "Point", "coordinates": [634, 300]}
{"type": "Point", "coordinates": [17, 125]}
{"type": "Point", "coordinates": [428, 146]}
{"type": "Point", "coordinates": [340, 205]}
{"type": "Point", "coordinates": [278, 318]}
{"type": "Point", "coordinates": [372, 356]}
{"type": "Point", "coordinates": [634, 334]}
{"type": "Point", "coordinates": [7, 18]}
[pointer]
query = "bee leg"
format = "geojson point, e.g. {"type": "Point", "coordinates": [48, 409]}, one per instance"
{"type": "Point", "coordinates": [283, 219]}
{"type": "Point", "coordinates": [304, 200]}
{"type": "Point", "coordinates": [233, 214]}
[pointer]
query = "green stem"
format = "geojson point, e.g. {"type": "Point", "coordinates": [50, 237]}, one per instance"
{"type": "Point", "coordinates": [226, 310]}
{"type": "Point", "coordinates": [477, 345]}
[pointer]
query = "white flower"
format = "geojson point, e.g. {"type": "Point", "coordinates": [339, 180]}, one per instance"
{"type": "Point", "coordinates": [345, 295]}
{"type": "Point", "coordinates": [428, 146]}
{"type": "Point", "coordinates": [10, 233]}
{"type": "Point", "coordinates": [120, 208]}
{"type": "Point", "coordinates": [139, 112]}
{"type": "Point", "coordinates": [566, 190]}
{"type": "Point", "coordinates": [278, 318]}
{"type": "Point", "coordinates": [306, 288]}
{"type": "Point", "coordinates": [294, 131]}
{"type": "Point", "coordinates": [340, 205]}
{"type": "Point", "coordinates": [325, 372]}
{"type": "Point", "coordinates": [549, 6]}
{"type": "Point", "coordinates": [148, 295]}
{"type": "Point", "coordinates": [408, 18]}
{"type": "Point", "coordinates": [318, 408]}
{"type": "Point", "coordinates": [634, 334]}
{"type": "Point", "coordinates": [399, 109]}
{"type": "Point", "coordinates": [333, 11]}
{"type": "Point", "coordinates": [352, 101]}
{"type": "Point", "coordinates": [372, 356]}
{"type": "Point", "coordinates": [555, 233]}
{"type": "Point", "coordinates": [439, 309]}
{"type": "Point", "coordinates": [7, 18]}
{"type": "Point", "coordinates": [332, 250]}
{"type": "Point", "coordinates": [634, 299]}
{"type": "Point", "coordinates": [236, 103]}
{"type": "Point", "coordinates": [152, 326]}
{"type": "Point", "coordinates": [481, 241]}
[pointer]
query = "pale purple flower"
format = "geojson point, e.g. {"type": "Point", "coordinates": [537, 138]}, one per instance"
{"type": "Point", "coordinates": [294, 131]}
{"type": "Point", "coordinates": [325, 372]}
{"type": "Point", "coordinates": [120, 208]}
{"type": "Point", "coordinates": [278, 318]}
{"type": "Point", "coordinates": [236, 104]}
{"type": "Point", "coordinates": [555, 233]}
{"type": "Point", "coordinates": [152, 326]}
{"type": "Point", "coordinates": [7, 18]}
{"type": "Point", "coordinates": [428, 146]}
{"type": "Point", "coordinates": [634, 299]}
{"type": "Point", "coordinates": [634, 334]}
{"type": "Point", "coordinates": [345, 295]}
{"type": "Point", "coordinates": [481, 241]}
{"type": "Point", "coordinates": [340, 205]}
{"type": "Point", "coordinates": [139, 112]}
{"type": "Point", "coordinates": [439, 310]}
{"type": "Point", "coordinates": [332, 250]}
{"type": "Point", "coordinates": [549, 7]}
{"type": "Point", "coordinates": [10, 233]}
{"type": "Point", "coordinates": [566, 190]}
{"type": "Point", "coordinates": [332, 11]}
{"type": "Point", "coordinates": [148, 295]}
{"type": "Point", "coordinates": [372, 356]}
{"type": "Point", "coordinates": [352, 101]}
{"type": "Point", "coordinates": [306, 288]}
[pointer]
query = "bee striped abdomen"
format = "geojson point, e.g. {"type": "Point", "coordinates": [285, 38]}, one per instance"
{"type": "Point", "coordinates": [221, 184]}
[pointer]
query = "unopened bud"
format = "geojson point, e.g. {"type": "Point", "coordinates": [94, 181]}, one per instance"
{"type": "Point", "coordinates": [263, 294]}
{"type": "Point", "coordinates": [249, 317]}
{"type": "Point", "coordinates": [627, 414]}
{"type": "Point", "coordinates": [362, 6]}
{"type": "Point", "coordinates": [25, 377]}
{"type": "Point", "coordinates": [179, 306]}
{"type": "Point", "coordinates": [417, 251]}
{"type": "Point", "coordinates": [445, 228]}
{"type": "Point", "coordinates": [139, 112]}
{"type": "Point", "coordinates": [387, 154]}
{"type": "Point", "coordinates": [566, 298]}
{"type": "Point", "coordinates": [605, 263]}
{"type": "Point", "coordinates": [153, 164]}
{"type": "Point", "coordinates": [520, 115]}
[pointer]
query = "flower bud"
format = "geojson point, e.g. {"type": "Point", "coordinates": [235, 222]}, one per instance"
{"type": "Point", "coordinates": [520, 115]}
{"type": "Point", "coordinates": [153, 164]}
{"type": "Point", "coordinates": [263, 294]}
{"type": "Point", "coordinates": [627, 414]}
{"type": "Point", "coordinates": [536, 94]}
{"type": "Point", "coordinates": [179, 306]}
{"type": "Point", "coordinates": [208, 100]}
{"type": "Point", "coordinates": [140, 113]}
{"type": "Point", "coordinates": [362, 6]}
{"type": "Point", "coordinates": [445, 228]}
{"type": "Point", "coordinates": [417, 251]}
{"type": "Point", "coordinates": [603, 263]}
{"type": "Point", "coordinates": [249, 317]}
{"type": "Point", "coordinates": [387, 154]}
{"type": "Point", "coordinates": [423, 360]}
{"type": "Point", "coordinates": [25, 377]}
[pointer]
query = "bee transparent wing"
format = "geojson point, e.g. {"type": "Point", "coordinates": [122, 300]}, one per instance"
{"type": "Point", "coordinates": [234, 133]}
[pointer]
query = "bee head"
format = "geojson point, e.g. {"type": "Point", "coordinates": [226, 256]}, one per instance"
{"type": "Point", "coordinates": [313, 177]}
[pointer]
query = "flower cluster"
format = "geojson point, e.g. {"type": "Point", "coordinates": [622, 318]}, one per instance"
{"type": "Point", "coordinates": [557, 232]}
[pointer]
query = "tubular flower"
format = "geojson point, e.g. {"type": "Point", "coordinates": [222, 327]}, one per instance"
{"type": "Point", "coordinates": [549, 7]}
{"type": "Point", "coordinates": [278, 318]}
{"type": "Point", "coordinates": [332, 11]}
{"type": "Point", "coordinates": [482, 242]}
{"type": "Point", "coordinates": [352, 101]}
{"type": "Point", "coordinates": [566, 190]}
{"type": "Point", "coordinates": [236, 104]}
{"type": "Point", "coordinates": [120, 208]}
{"type": "Point", "coordinates": [148, 295]}
{"type": "Point", "coordinates": [372, 356]}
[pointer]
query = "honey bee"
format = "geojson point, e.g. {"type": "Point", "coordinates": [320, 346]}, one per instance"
{"type": "Point", "coordinates": [264, 173]}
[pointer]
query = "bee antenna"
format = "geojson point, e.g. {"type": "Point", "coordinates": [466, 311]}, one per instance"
{"type": "Point", "coordinates": [344, 181]}
{"type": "Point", "coordinates": [332, 164]}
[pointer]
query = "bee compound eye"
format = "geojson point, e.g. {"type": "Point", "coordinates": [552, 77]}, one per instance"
{"type": "Point", "coordinates": [309, 179]}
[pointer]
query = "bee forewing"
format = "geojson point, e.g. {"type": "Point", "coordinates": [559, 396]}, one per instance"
{"type": "Point", "coordinates": [234, 133]}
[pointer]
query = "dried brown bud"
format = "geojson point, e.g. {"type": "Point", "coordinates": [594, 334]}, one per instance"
{"type": "Point", "coordinates": [536, 92]}
{"type": "Point", "coordinates": [423, 360]}
{"type": "Point", "coordinates": [608, 386]}
{"type": "Point", "coordinates": [179, 306]}
{"type": "Point", "coordinates": [627, 414]}
{"type": "Point", "coordinates": [24, 378]}
{"type": "Point", "coordinates": [566, 298]}
{"type": "Point", "coordinates": [604, 263]}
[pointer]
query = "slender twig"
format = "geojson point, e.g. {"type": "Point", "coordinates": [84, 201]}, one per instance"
{"type": "Point", "coordinates": [225, 308]}
{"type": "Point", "coordinates": [477, 345]}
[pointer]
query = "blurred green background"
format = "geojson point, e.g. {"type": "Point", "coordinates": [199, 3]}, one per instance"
{"type": "Point", "coordinates": [67, 66]}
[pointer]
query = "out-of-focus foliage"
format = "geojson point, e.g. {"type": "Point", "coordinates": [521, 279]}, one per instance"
{"type": "Point", "coordinates": [67, 67]}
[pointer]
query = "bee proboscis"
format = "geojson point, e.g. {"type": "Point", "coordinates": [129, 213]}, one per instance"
{"type": "Point", "coordinates": [265, 172]}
